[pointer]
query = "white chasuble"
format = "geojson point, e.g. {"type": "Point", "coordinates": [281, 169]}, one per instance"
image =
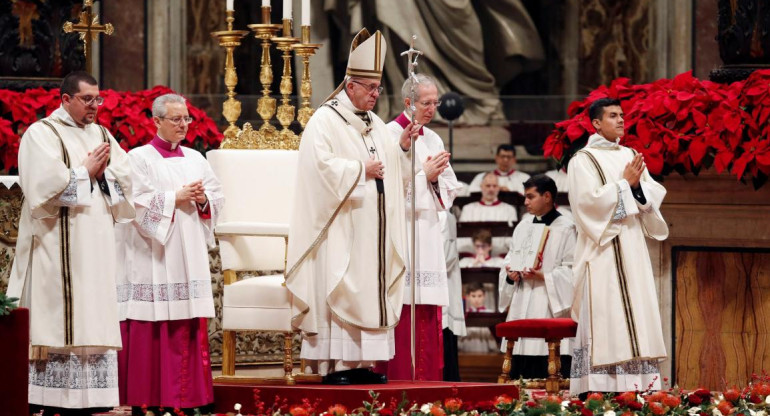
{"type": "Point", "coordinates": [431, 204]}
{"type": "Point", "coordinates": [166, 272]}
{"type": "Point", "coordinates": [65, 264]}
{"type": "Point", "coordinates": [346, 254]}
{"type": "Point", "coordinates": [548, 298]}
{"type": "Point", "coordinates": [620, 336]}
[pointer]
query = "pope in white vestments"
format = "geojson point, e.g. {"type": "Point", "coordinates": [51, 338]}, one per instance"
{"type": "Point", "coordinates": [543, 293]}
{"type": "Point", "coordinates": [76, 183]}
{"type": "Point", "coordinates": [616, 205]}
{"type": "Point", "coordinates": [347, 252]}
{"type": "Point", "coordinates": [435, 188]}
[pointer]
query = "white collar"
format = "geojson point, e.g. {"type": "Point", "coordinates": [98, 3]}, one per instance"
{"type": "Point", "coordinates": [62, 115]}
{"type": "Point", "coordinates": [344, 100]}
{"type": "Point", "coordinates": [597, 141]}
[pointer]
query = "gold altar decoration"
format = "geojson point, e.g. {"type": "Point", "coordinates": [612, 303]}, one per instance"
{"type": "Point", "coordinates": [231, 109]}
{"type": "Point", "coordinates": [88, 28]}
{"type": "Point", "coordinates": [10, 212]}
{"type": "Point", "coordinates": [286, 110]}
{"type": "Point", "coordinates": [266, 104]}
{"type": "Point", "coordinates": [267, 136]}
{"type": "Point", "coordinates": [305, 49]}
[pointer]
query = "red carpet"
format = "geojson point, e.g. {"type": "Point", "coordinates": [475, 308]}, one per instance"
{"type": "Point", "coordinates": [226, 395]}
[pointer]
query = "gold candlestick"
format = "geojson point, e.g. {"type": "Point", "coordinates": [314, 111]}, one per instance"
{"type": "Point", "coordinates": [266, 103]}
{"type": "Point", "coordinates": [286, 110]}
{"type": "Point", "coordinates": [231, 108]}
{"type": "Point", "coordinates": [305, 50]}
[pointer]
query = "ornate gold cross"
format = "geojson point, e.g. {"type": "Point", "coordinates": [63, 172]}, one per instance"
{"type": "Point", "coordinates": [88, 28]}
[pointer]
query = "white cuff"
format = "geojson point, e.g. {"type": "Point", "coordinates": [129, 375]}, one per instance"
{"type": "Point", "coordinates": [78, 190]}
{"type": "Point", "coordinates": [626, 206]}
{"type": "Point", "coordinates": [116, 192]}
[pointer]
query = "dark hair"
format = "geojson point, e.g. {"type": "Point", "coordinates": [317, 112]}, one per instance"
{"type": "Point", "coordinates": [473, 286]}
{"type": "Point", "coordinates": [70, 85]}
{"type": "Point", "coordinates": [483, 235]}
{"type": "Point", "coordinates": [596, 110]}
{"type": "Point", "coordinates": [542, 183]}
{"type": "Point", "coordinates": [505, 148]}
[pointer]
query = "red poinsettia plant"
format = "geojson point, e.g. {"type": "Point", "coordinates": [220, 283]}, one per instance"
{"type": "Point", "coordinates": [682, 125]}
{"type": "Point", "coordinates": [126, 114]}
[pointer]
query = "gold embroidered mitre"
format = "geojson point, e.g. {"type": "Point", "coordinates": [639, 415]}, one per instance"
{"type": "Point", "coordinates": [366, 58]}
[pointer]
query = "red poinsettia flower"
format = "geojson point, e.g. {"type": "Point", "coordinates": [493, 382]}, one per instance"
{"type": "Point", "coordinates": [337, 410]}
{"type": "Point", "coordinates": [453, 404]}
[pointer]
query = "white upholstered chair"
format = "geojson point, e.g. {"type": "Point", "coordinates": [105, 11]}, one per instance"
{"type": "Point", "coordinates": [253, 232]}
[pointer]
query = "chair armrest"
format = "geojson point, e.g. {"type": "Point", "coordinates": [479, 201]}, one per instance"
{"type": "Point", "coordinates": [259, 229]}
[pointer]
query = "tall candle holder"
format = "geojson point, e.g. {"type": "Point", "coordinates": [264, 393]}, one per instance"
{"type": "Point", "coordinates": [286, 110]}
{"type": "Point", "coordinates": [266, 104]}
{"type": "Point", "coordinates": [231, 108]}
{"type": "Point", "coordinates": [305, 49]}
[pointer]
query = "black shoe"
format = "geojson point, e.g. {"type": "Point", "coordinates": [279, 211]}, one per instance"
{"type": "Point", "coordinates": [355, 376]}
{"type": "Point", "coordinates": [337, 378]}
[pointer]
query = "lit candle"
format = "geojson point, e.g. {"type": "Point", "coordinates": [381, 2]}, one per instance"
{"type": "Point", "coordinates": [230, 5]}
{"type": "Point", "coordinates": [265, 3]}
{"type": "Point", "coordinates": [287, 9]}
{"type": "Point", "coordinates": [305, 12]}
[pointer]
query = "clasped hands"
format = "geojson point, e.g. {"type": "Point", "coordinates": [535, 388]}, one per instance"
{"type": "Point", "coordinates": [633, 171]}
{"type": "Point", "coordinates": [192, 192]}
{"type": "Point", "coordinates": [527, 273]}
{"type": "Point", "coordinates": [96, 162]}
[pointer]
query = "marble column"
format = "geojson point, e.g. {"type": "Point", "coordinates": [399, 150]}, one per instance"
{"type": "Point", "coordinates": [167, 44]}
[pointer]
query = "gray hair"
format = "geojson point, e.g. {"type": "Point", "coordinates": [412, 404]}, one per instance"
{"type": "Point", "coordinates": [159, 105]}
{"type": "Point", "coordinates": [422, 81]}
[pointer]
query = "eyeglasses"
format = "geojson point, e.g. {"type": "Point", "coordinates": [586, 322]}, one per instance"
{"type": "Point", "coordinates": [370, 88]}
{"type": "Point", "coordinates": [89, 100]}
{"type": "Point", "coordinates": [179, 120]}
{"type": "Point", "coordinates": [430, 103]}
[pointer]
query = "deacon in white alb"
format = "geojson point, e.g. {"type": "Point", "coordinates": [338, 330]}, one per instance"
{"type": "Point", "coordinates": [347, 242]}
{"type": "Point", "coordinates": [77, 185]}
{"type": "Point", "coordinates": [616, 205]}
{"type": "Point", "coordinates": [435, 188]}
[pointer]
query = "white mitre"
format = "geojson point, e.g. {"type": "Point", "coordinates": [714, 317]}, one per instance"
{"type": "Point", "coordinates": [366, 59]}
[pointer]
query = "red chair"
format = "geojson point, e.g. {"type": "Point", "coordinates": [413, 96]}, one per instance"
{"type": "Point", "coordinates": [553, 330]}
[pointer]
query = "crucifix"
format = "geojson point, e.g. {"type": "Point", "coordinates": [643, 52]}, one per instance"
{"type": "Point", "coordinates": [88, 28]}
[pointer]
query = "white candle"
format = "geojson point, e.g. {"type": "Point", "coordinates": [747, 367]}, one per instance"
{"type": "Point", "coordinates": [305, 12]}
{"type": "Point", "coordinates": [287, 9]}
{"type": "Point", "coordinates": [230, 5]}
{"type": "Point", "coordinates": [265, 3]}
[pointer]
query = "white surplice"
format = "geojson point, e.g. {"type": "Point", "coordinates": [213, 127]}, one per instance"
{"type": "Point", "coordinates": [495, 211]}
{"type": "Point", "coordinates": [548, 298]}
{"type": "Point", "coordinates": [65, 265]}
{"type": "Point", "coordinates": [559, 177]}
{"type": "Point", "coordinates": [346, 254]}
{"type": "Point", "coordinates": [513, 180]}
{"type": "Point", "coordinates": [453, 316]}
{"type": "Point", "coordinates": [166, 274]}
{"type": "Point", "coordinates": [620, 335]}
{"type": "Point", "coordinates": [431, 204]}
